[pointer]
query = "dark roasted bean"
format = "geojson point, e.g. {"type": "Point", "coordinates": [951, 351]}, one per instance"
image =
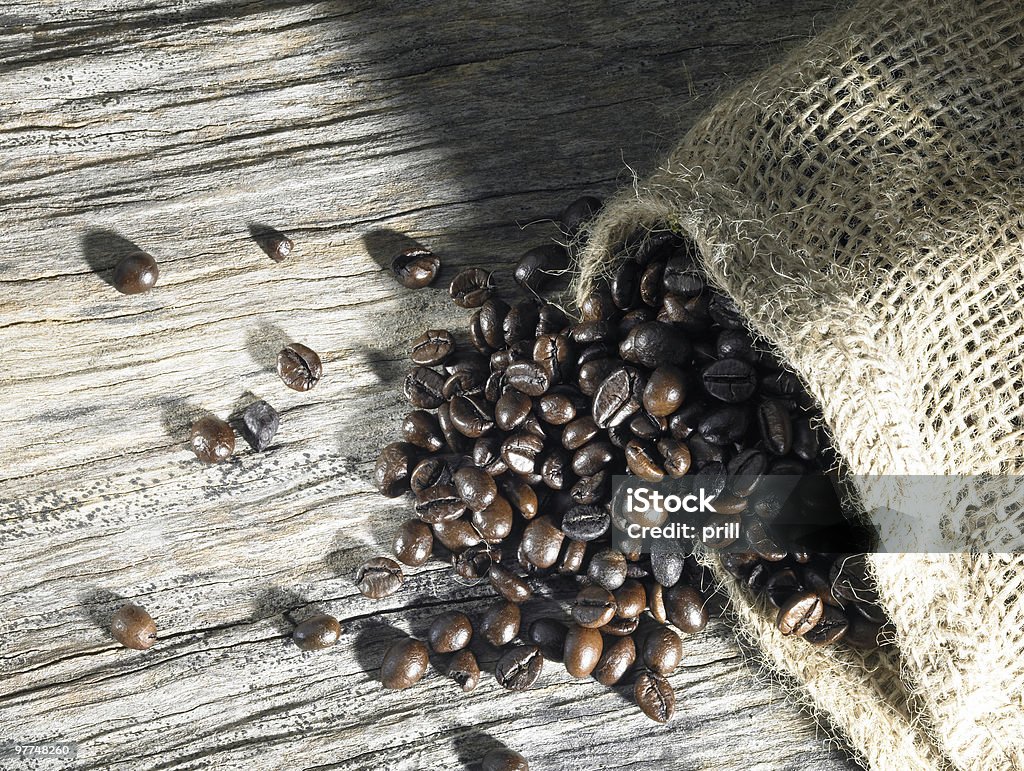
{"type": "Point", "coordinates": [542, 542]}
{"type": "Point", "coordinates": [590, 459]}
{"type": "Point", "coordinates": [582, 650]}
{"type": "Point", "coordinates": [509, 585]}
{"type": "Point", "coordinates": [136, 273]}
{"type": "Point", "coordinates": [618, 397]}
{"type": "Point", "coordinates": [391, 475]}
{"type": "Point", "coordinates": [776, 427]}
{"type": "Point", "coordinates": [579, 432]}
{"type": "Point", "coordinates": [592, 489]}
{"type": "Point", "coordinates": [730, 380]}
{"type": "Point", "coordinates": [432, 347]}
{"type": "Point", "coordinates": [404, 664]}
{"type": "Point", "coordinates": [656, 602]}
{"type": "Point", "coordinates": [653, 344]}
{"type": "Point", "coordinates": [465, 670]}
{"type": "Point", "coordinates": [676, 457]}
{"type": "Point", "coordinates": [500, 623]}
{"type": "Point", "coordinates": [519, 668]}
{"type": "Point", "coordinates": [520, 452]}
{"type": "Point", "coordinates": [800, 614]}
{"type": "Point", "coordinates": [512, 409]}
{"type": "Point", "coordinates": [665, 391]}
{"type": "Point", "coordinates": [456, 535]}
{"type": "Point", "coordinates": [725, 311]}
{"type": "Point", "coordinates": [494, 522]}
{"type": "Point", "coordinates": [746, 471]}
{"type": "Point", "coordinates": [572, 557]}
{"type": "Point", "coordinates": [133, 627]}
{"type": "Point", "coordinates": [682, 278]}
{"type": "Point", "coordinates": [316, 633]}
{"type": "Point", "coordinates": [435, 470]}
{"type": "Point", "coordinates": [630, 599]}
{"type": "Point", "coordinates": [421, 429]}
{"type": "Point", "coordinates": [413, 542]}
{"type": "Point", "coordinates": [556, 409]}
{"type": "Point", "coordinates": [585, 523]}
{"type": "Point", "coordinates": [832, 626]}
{"type": "Point", "coordinates": [440, 503]}
{"type": "Point", "coordinates": [529, 377]}
{"type": "Point", "coordinates": [379, 577]}
{"type": "Point", "coordinates": [684, 607]}
{"type": "Point", "coordinates": [504, 759]}
{"type": "Point", "coordinates": [727, 425]}
{"type": "Point", "coordinates": [594, 606]}
{"type": "Point", "coordinates": [522, 497]}
{"type": "Point", "coordinates": [476, 487]}
{"type": "Point", "coordinates": [608, 569]}
{"type": "Point", "coordinates": [539, 265]}
{"type": "Point", "coordinates": [578, 213]}
{"type": "Point", "coordinates": [641, 463]}
{"type": "Point", "coordinates": [666, 563]}
{"type": "Point", "coordinates": [549, 635]}
{"type": "Point", "coordinates": [260, 422]}
{"type": "Point", "coordinates": [655, 696]}
{"type": "Point", "coordinates": [663, 650]}
{"type": "Point", "coordinates": [450, 632]}
{"type": "Point", "coordinates": [782, 585]}
{"type": "Point", "coordinates": [520, 324]}
{"type": "Point", "coordinates": [212, 439]}
{"type": "Point", "coordinates": [424, 388]}
{"type": "Point", "coordinates": [299, 367]}
{"type": "Point", "coordinates": [474, 562]}
{"type": "Point", "coordinates": [616, 660]}
{"type": "Point", "coordinates": [471, 288]}
{"type": "Point", "coordinates": [415, 268]}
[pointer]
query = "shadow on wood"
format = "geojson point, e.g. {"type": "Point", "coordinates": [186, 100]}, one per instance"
{"type": "Point", "coordinates": [104, 249]}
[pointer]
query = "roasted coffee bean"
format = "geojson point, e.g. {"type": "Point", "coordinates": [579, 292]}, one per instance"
{"type": "Point", "coordinates": [416, 268]}
{"type": "Point", "coordinates": [492, 317]}
{"type": "Point", "coordinates": [520, 453]}
{"type": "Point", "coordinates": [800, 614]}
{"type": "Point", "coordinates": [655, 696]}
{"type": "Point", "coordinates": [663, 650]}
{"type": "Point", "coordinates": [579, 432]}
{"type": "Point", "coordinates": [394, 466]}
{"type": "Point", "coordinates": [504, 759]}
{"type": "Point", "coordinates": [474, 563]}
{"type": "Point", "coordinates": [621, 627]}
{"type": "Point", "coordinates": [556, 409]}
{"type": "Point", "coordinates": [647, 427]}
{"type": "Point", "coordinates": [133, 627]}
{"type": "Point", "coordinates": [316, 633]}
{"type": "Point", "coordinates": [582, 650]}
{"type": "Point", "coordinates": [641, 462]}
{"type": "Point", "coordinates": [461, 384]}
{"type": "Point", "coordinates": [413, 542]}
{"type": "Point", "coordinates": [586, 523]}
{"type": "Point", "coordinates": [299, 367]}
{"type": "Point", "coordinates": [590, 459]}
{"type": "Point", "coordinates": [849, 579]}
{"type": "Point", "coordinates": [432, 347]}
{"type": "Point", "coordinates": [440, 503]}
{"type": "Point", "coordinates": [551, 320]}
{"type": "Point", "coordinates": [509, 585]}
{"type": "Point", "coordinates": [539, 265]}
{"type": "Point", "coordinates": [653, 344]}
{"type": "Point", "coordinates": [450, 632]}
{"type": "Point", "coordinates": [476, 335]}
{"type": "Point", "coordinates": [746, 471]}
{"type": "Point", "coordinates": [542, 542]}
{"type": "Point", "coordinates": [464, 670]}
{"type": "Point", "coordinates": [776, 427]}
{"type": "Point", "coordinates": [471, 288]}
{"type": "Point", "coordinates": [667, 563]}
{"type": "Point", "coordinates": [863, 634]}
{"type": "Point", "coordinates": [730, 380]}
{"type": "Point", "coordinates": [456, 535]}
{"type": "Point", "coordinates": [832, 627]}
{"type": "Point", "coordinates": [519, 668]}
{"type": "Point", "coordinates": [572, 557]}
{"type": "Point", "coordinates": [379, 577]}
{"type": "Point", "coordinates": [725, 426]}
{"type": "Point", "coordinates": [212, 439]}
{"type": "Point", "coordinates": [761, 542]}
{"type": "Point", "coordinates": [512, 409]}
{"type": "Point", "coordinates": [684, 608]}
{"type": "Point", "coordinates": [616, 660]}
{"type": "Point", "coordinates": [593, 373]}
{"type": "Point", "coordinates": [651, 288]}
{"type": "Point", "coordinates": [676, 457]}
{"type": "Point", "coordinates": [712, 478]}
{"type": "Point", "coordinates": [555, 470]}
{"type": "Point", "coordinates": [630, 599]}
{"type": "Point", "coordinates": [725, 311]}
{"type": "Point", "coordinates": [500, 623]}
{"type": "Point", "coordinates": [420, 428]}
{"type": "Point", "coordinates": [260, 422]}
{"type": "Point", "coordinates": [457, 442]}
{"type": "Point", "coordinates": [424, 388]}
{"type": "Point", "coordinates": [588, 333]}
{"type": "Point", "coordinates": [522, 497]}
{"type": "Point", "coordinates": [435, 470]}
{"type": "Point", "coordinates": [608, 569]}
{"type": "Point", "coordinates": [136, 274]}
{"type": "Point", "coordinates": [618, 397]}
{"type": "Point", "coordinates": [656, 602]}
{"type": "Point", "coordinates": [594, 606]}
{"type": "Point", "coordinates": [548, 634]}
{"type": "Point", "coordinates": [782, 585]}
{"type": "Point", "coordinates": [682, 278]}
{"type": "Point", "coordinates": [494, 522]}
{"type": "Point", "coordinates": [734, 344]}
{"type": "Point", "coordinates": [625, 285]}
{"type": "Point", "coordinates": [665, 391]}
{"type": "Point", "coordinates": [476, 487]}
{"type": "Point", "coordinates": [404, 664]}
{"type": "Point", "coordinates": [578, 213]}
{"type": "Point", "coordinates": [591, 489]}
{"type": "Point", "coordinates": [529, 377]}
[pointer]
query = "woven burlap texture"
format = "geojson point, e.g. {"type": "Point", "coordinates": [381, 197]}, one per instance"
{"type": "Point", "coordinates": [862, 201]}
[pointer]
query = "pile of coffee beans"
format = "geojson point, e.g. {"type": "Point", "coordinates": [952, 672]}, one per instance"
{"type": "Point", "coordinates": [519, 425]}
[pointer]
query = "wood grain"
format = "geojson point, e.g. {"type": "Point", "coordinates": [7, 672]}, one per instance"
{"type": "Point", "coordinates": [352, 126]}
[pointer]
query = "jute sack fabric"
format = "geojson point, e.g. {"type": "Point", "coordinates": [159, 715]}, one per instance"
{"type": "Point", "coordinates": [862, 201]}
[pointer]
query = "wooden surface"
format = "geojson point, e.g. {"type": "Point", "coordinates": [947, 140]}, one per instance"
{"type": "Point", "coordinates": [350, 125]}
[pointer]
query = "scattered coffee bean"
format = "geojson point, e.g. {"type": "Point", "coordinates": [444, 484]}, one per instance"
{"type": "Point", "coordinates": [502, 759]}
{"type": "Point", "coordinates": [212, 439]}
{"type": "Point", "coordinates": [299, 367]}
{"type": "Point", "coordinates": [413, 542]}
{"type": "Point", "coordinates": [594, 607]}
{"type": "Point", "coordinates": [464, 670]}
{"type": "Point", "coordinates": [582, 651]}
{"type": "Point", "coordinates": [404, 664]}
{"type": "Point", "coordinates": [685, 609]}
{"type": "Point", "coordinates": [500, 623]}
{"type": "Point", "coordinates": [616, 660]}
{"type": "Point", "coordinates": [274, 243]}
{"type": "Point", "coordinates": [136, 274]}
{"type": "Point", "coordinates": [508, 585]}
{"type": "Point", "coordinates": [519, 668]}
{"type": "Point", "coordinates": [432, 347]}
{"type": "Point", "coordinates": [391, 475]}
{"type": "Point", "coordinates": [655, 696]}
{"type": "Point", "coordinates": [608, 569]}
{"type": "Point", "coordinates": [471, 288]}
{"type": "Point", "coordinates": [450, 632]}
{"type": "Point", "coordinates": [316, 633]}
{"type": "Point", "coordinates": [549, 635]}
{"type": "Point", "coordinates": [133, 627]}
{"type": "Point", "coordinates": [416, 268]}
{"type": "Point", "coordinates": [379, 577]}
{"type": "Point", "coordinates": [260, 422]}
{"type": "Point", "coordinates": [663, 650]}
{"type": "Point", "coordinates": [800, 614]}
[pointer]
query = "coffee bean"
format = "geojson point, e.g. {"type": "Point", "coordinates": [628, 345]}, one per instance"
{"type": "Point", "coordinates": [663, 650]}
{"type": "Point", "coordinates": [528, 377]}
{"type": "Point", "coordinates": [574, 216]}
{"type": "Point", "coordinates": [457, 442]}
{"type": "Point", "coordinates": [421, 428]}
{"type": "Point", "coordinates": [630, 599]}
{"type": "Point", "coordinates": [299, 367]}
{"type": "Point", "coordinates": [474, 562]}
{"type": "Point", "coordinates": [435, 470]}
{"type": "Point", "coordinates": [618, 397]}
{"type": "Point", "coordinates": [461, 384]}
{"type": "Point", "coordinates": [582, 650]}
{"type": "Point", "coordinates": [554, 471]}
{"type": "Point", "coordinates": [730, 380]}
{"type": "Point", "coordinates": [666, 563]}
{"type": "Point", "coordinates": [725, 311]}
{"type": "Point", "coordinates": [520, 452]}
{"type": "Point", "coordinates": [832, 627]}
{"type": "Point", "coordinates": [725, 426]}
{"type": "Point", "coordinates": [608, 569]}
{"type": "Point", "coordinates": [465, 670]}
{"type": "Point", "coordinates": [653, 344]}
{"type": "Point", "coordinates": [415, 268]}
{"type": "Point", "coordinates": [585, 523]}
{"type": "Point", "coordinates": [781, 586]}
{"type": "Point", "coordinates": [500, 623]}
{"type": "Point", "coordinates": [391, 474]}
{"type": "Point", "coordinates": [641, 463]}
{"type": "Point", "coordinates": [579, 432]}
{"type": "Point", "coordinates": [133, 627]}
{"type": "Point", "coordinates": [734, 344]}
{"type": "Point", "coordinates": [404, 664]}
{"type": "Point", "coordinates": [861, 633]}
{"type": "Point", "coordinates": [776, 427]}
{"type": "Point", "coordinates": [682, 278]}
{"type": "Point", "coordinates": [647, 427]}
{"type": "Point", "coordinates": [676, 455]}
{"type": "Point", "coordinates": [656, 602]}
{"type": "Point", "coordinates": [512, 409]}
{"type": "Point", "coordinates": [684, 608]}
{"type": "Point", "coordinates": [591, 489]}
{"type": "Point", "coordinates": [260, 422]}
{"type": "Point", "coordinates": [651, 288]}
{"type": "Point", "coordinates": [665, 391]}
{"type": "Point", "coordinates": [456, 535]}
{"type": "Point", "coordinates": [440, 503]}
{"type": "Point", "coordinates": [492, 317]}
{"type": "Point", "coordinates": [520, 325]}
{"type": "Point", "coordinates": [212, 440]}
{"type": "Point", "coordinates": [504, 759]}
{"type": "Point", "coordinates": [537, 266]}
{"type": "Point", "coordinates": [593, 373]}
{"type": "Point", "coordinates": [476, 487]}
{"type": "Point", "coordinates": [746, 471]}
{"type": "Point", "coordinates": [655, 696]}
{"type": "Point", "coordinates": [556, 409]}
{"type": "Point", "coordinates": [616, 660]}
{"type": "Point", "coordinates": [487, 455]}
{"type": "Point", "coordinates": [519, 668]}
{"type": "Point", "coordinates": [379, 577]}
{"type": "Point", "coordinates": [508, 585]}
{"type": "Point", "coordinates": [590, 459]}
{"type": "Point", "coordinates": [471, 288]}
{"type": "Point", "coordinates": [548, 634]}
{"type": "Point", "coordinates": [594, 606]}
{"type": "Point", "coordinates": [494, 522]}
{"type": "Point", "coordinates": [542, 542]}
{"type": "Point", "coordinates": [450, 632]}
{"type": "Point", "coordinates": [136, 274]}
{"type": "Point", "coordinates": [522, 497]}
{"type": "Point", "coordinates": [572, 557]}
{"type": "Point", "coordinates": [316, 633]}
{"type": "Point", "coordinates": [800, 614]}
{"type": "Point", "coordinates": [432, 347]}
{"type": "Point", "coordinates": [413, 542]}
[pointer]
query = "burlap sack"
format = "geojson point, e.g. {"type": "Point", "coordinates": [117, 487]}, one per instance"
{"type": "Point", "coordinates": [863, 203]}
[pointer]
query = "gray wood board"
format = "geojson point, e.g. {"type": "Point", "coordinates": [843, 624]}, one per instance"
{"type": "Point", "coordinates": [174, 127]}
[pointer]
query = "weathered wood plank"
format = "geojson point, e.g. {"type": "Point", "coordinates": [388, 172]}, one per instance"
{"type": "Point", "coordinates": [177, 126]}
